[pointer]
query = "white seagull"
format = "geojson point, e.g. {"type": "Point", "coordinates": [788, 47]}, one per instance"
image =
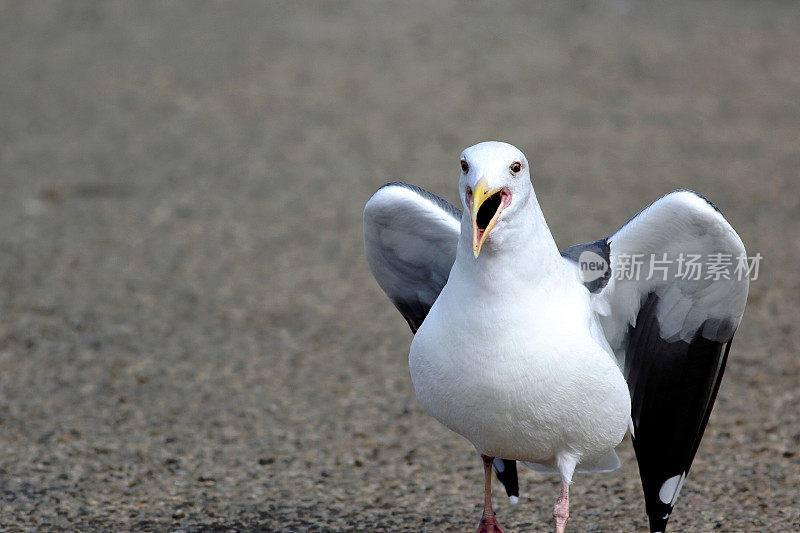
{"type": "Point", "coordinates": [548, 357]}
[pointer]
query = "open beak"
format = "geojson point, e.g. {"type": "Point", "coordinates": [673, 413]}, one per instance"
{"type": "Point", "coordinates": [486, 206]}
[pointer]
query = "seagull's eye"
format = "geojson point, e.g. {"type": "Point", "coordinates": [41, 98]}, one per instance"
{"type": "Point", "coordinates": [464, 166]}
{"type": "Point", "coordinates": [515, 167]}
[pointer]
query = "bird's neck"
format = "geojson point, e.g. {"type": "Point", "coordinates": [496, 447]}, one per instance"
{"type": "Point", "coordinates": [521, 251]}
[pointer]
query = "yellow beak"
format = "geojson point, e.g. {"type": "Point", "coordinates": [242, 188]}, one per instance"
{"type": "Point", "coordinates": [479, 195]}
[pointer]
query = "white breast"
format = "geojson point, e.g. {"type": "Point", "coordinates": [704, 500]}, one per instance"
{"type": "Point", "coordinates": [520, 377]}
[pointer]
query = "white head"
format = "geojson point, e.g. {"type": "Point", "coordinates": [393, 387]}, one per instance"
{"type": "Point", "coordinates": [495, 184]}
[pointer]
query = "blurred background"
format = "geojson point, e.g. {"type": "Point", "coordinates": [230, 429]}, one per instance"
{"type": "Point", "coordinates": [189, 334]}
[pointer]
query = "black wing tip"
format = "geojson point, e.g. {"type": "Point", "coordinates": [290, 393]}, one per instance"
{"type": "Point", "coordinates": [667, 434]}
{"type": "Point", "coordinates": [658, 524]}
{"type": "Point", "coordinates": [438, 200]}
{"type": "Point", "coordinates": [413, 312]}
{"type": "Point", "coordinates": [506, 472]}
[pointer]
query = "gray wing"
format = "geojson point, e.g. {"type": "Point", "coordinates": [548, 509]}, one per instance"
{"type": "Point", "coordinates": [671, 332]}
{"type": "Point", "coordinates": [410, 238]}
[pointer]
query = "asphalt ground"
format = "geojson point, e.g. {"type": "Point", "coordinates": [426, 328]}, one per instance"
{"type": "Point", "coordinates": [190, 338]}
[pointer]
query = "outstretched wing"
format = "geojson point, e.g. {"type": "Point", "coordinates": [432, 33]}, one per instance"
{"type": "Point", "coordinates": [669, 305]}
{"type": "Point", "coordinates": [410, 237]}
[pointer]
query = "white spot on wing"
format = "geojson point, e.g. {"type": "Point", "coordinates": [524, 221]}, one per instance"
{"type": "Point", "coordinates": [669, 491]}
{"type": "Point", "coordinates": [513, 499]}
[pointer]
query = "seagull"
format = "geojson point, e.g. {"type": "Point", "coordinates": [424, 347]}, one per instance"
{"type": "Point", "coordinates": [549, 357]}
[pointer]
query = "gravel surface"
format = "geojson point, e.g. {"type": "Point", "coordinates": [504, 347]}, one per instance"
{"type": "Point", "coordinates": [190, 338]}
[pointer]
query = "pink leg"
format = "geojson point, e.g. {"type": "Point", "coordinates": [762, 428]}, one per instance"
{"type": "Point", "coordinates": [488, 521]}
{"type": "Point", "coordinates": [561, 510]}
